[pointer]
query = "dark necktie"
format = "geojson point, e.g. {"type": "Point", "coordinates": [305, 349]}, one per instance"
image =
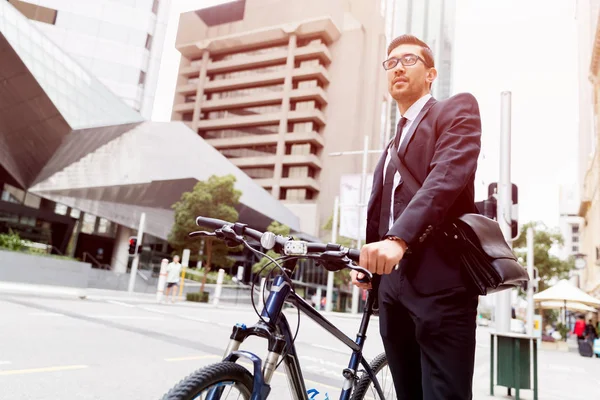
{"type": "Point", "coordinates": [388, 185]}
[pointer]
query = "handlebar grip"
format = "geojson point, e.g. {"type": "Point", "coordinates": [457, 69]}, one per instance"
{"type": "Point", "coordinates": [354, 255]}
{"type": "Point", "coordinates": [211, 223]}
{"type": "Point", "coordinates": [364, 279]}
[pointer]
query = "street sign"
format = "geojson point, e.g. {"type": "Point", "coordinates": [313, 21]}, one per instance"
{"type": "Point", "coordinates": [350, 205]}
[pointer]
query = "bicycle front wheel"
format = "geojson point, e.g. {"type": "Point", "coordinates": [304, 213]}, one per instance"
{"type": "Point", "coordinates": [225, 380]}
{"type": "Point", "coordinates": [365, 389]}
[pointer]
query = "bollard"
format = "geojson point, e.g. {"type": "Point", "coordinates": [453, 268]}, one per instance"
{"type": "Point", "coordinates": [162, 279]}
{"type": "Point", "coordinates": [219, 286]}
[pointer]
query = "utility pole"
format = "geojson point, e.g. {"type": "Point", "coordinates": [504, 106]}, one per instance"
{"type": "Point", "coordinates": [334, 232]}
{"type": "Point", "coordinates": [136, 256]}
{"type": "Point", "coordinates": [361, 204]}
{"type": "Point", "coordinates": [503, 312]}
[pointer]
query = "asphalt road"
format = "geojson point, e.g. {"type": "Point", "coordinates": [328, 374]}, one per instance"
{"type": "Point", "coordinates": [60, 348]}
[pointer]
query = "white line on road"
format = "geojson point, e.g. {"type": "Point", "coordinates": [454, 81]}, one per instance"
{"type": "Point", "coordinates": [127, 317]}
{"type": "Point", "coordinates": [4, 362]}
{"type": "Point", "coordinates": [46, 314]}
{"type": "Point", "coordinates": [119, 303]}
{"type": "Point", "coordinates": [191, 358]}
{"type": "Point", "coordinates": [153, 310]}
{"type": "Point", "coordinates": [329, 348]}
{"type": "Point", "coordinates": [192, 318]}
{"type": "Point", "coordinates": [47, 369]}
{"type": "Point", "coordinates": [322, 362]}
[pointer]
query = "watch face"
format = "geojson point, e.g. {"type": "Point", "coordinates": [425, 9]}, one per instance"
{"type": "Point", "coordinates": [580, 263]}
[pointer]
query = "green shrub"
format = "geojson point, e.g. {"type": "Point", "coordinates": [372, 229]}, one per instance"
{"type": "Point", "coordinates": [211, 277]}
{"type": "Point", "coordinates": [197, 297]}
{"type": "Point", "coordinates": [11, 241]}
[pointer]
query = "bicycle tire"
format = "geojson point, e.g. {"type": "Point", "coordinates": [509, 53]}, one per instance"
{"type": "Point", "coordinates": [194, 384]}
{"type": "Point", "coordinates": [363, 384]}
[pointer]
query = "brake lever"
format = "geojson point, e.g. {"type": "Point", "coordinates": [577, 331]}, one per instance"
{"type": "Point", "coordinates": [368, 276]}
{"type": "Point", "coordinates": [202, 233]}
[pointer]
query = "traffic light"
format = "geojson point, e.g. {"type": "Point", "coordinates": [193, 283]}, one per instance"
{"type": "Point", "coordinates": [533, 280]}
{"type": "Point", "coordinates": [132, 244]}
{"type": "Point", "coordinates": [489, 207]}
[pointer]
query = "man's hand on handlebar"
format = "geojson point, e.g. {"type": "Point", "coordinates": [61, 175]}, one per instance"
{"type": "Point", "coordinates": [379, 258]}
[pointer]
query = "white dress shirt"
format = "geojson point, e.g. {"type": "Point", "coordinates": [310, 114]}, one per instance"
{"type": "Point", "coordinates": [410, 115]}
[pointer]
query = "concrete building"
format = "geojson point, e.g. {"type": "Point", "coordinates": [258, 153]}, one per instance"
{"type": "Point", "coordinates": [119, 42]}
{"type": "Point", "coordinates": [75, 158]}
{"type": "Point", "coordinates": [570, 223]}
{"type": "Point", "coordinates": [589, 152]}
{"type": "Point", "coordinates": [277, 85]}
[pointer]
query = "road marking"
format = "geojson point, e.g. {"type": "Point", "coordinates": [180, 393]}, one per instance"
{"type": "Point", "coordinates": [153, 310]}
{"type": "Point", "coordinates": [47, 369]}
{"type": "Point", "coordinates": [47, 314]}
{"type": "Point", "coordinates": [193, 318]}
{"type": "Point", "coordinates": [323, 362]}
{"type": "Point", "coordinates": [4, 362]}
{"type": "Point", "coordinates": [191, 358]}
{"type": "Point", "coordinates": [329, 348]}
{"type": "Point", "coordinates": [128, 317]}
{"type": "Point", "coordinates": [119, 303]}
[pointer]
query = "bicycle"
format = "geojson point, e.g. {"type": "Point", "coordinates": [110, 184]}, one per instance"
{"type": "Point", "coordinates": [217, 380]}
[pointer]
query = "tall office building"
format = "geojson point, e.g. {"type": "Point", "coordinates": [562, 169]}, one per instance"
{"type": "Point", "coordinates": [118, 41]}
{"type": "Point", "coordinates": [588, 14]}
{"type": "Point", "coordinates": [571, 224]}
{"type": "Point", "coordinates": [433, 22]}
{"type": "Point", "coordinates": [277, 85]}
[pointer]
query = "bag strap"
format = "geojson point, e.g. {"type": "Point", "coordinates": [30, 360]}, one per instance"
{"type": "Point", "coordinates": [409, 180]}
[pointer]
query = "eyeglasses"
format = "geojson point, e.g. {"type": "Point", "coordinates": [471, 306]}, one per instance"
{"type": "Point", "coordinates": [407, 60]}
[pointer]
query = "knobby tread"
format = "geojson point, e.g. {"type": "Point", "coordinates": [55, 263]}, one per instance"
{"type": "Point", "coordinates": [377, 365]}
{"type": "Point", "coordinates": [204, 378]}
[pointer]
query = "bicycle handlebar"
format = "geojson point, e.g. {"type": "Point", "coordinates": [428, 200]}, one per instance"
{"type": "Point", "coordinates": [280, 241]}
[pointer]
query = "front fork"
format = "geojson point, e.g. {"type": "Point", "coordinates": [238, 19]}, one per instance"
{"type": "Point", "coordinates": [276, 344]}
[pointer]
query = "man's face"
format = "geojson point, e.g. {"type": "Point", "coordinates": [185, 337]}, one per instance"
{"type": "Point", "coordinates": [176, 259]}
{"type": "Point", "coordinates": [409, 82]}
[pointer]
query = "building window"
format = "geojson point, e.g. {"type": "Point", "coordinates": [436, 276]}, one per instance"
{"type": "Point", "coordinates": [34, 12]}
{"type": "Point", "coordinates": [302, 127]}
{"type": "Point", "coordinates": [148, 41]}
{"type": "Point", "coordinates": [253, 151]}
{"type": "Point", "coordinates": [259, 172]}
{"type": "Point", "coordinates": [575, 239]}
{"type": "Point", "coordinates": [575, 249]}
{"type": "Point", "coordinates": [155, 6]}
{"type": "Point", "coordinates": [142, 79]}
{"type": "Point", "coordinates": [575, 229]}
{"type": "Point", "coordinates": [13, 194]}
{"type": "Point", "coordinates": [60, 209]}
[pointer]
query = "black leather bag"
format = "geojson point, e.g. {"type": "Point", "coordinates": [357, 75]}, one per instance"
{"type": "Point", "coordinates": [478, 241]}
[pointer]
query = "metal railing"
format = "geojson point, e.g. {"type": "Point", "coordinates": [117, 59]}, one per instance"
{"type": "Point", "coordinates": [96, 262]}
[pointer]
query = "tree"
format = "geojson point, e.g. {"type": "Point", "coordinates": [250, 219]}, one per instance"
{"type": "Point", "coordinates": [549, 267]}
{"type": "Point", "coordinates": [278, 229]}
{"type": "Point", "coordinates": [214, 198]}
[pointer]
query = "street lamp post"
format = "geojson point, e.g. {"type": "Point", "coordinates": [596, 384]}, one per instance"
{"type": "Point", "coordinates": [362, 203]}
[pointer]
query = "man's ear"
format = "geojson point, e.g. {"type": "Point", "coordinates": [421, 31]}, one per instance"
{"type": "Point", "coordinates": [431, 75]}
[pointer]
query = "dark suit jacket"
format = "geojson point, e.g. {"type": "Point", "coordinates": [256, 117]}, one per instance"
{"type": "Point", "coordinates": [441, 151]}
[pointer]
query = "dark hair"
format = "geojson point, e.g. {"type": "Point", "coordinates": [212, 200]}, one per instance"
{"type": "Point", "coordinates": [410, 39]}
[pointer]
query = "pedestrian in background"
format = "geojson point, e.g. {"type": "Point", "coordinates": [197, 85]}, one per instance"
{"type": "Point", "coordinates": [173, 272]}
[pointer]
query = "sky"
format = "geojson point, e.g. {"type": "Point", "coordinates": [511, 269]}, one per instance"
{"type": "Point", "coordinates": [526, 47]}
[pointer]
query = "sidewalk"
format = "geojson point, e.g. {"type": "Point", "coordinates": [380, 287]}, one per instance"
{"type": "Point", "coordinates": [562, 375]}
{"type": "Point", "coordinates": [136, 297]}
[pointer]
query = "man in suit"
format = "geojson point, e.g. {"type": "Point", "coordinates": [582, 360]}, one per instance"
{"type": "Point", "coordinates": [427, 310]}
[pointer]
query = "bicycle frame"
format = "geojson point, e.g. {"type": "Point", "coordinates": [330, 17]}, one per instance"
{"type": "Point", "coordinates": [279, 334]}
